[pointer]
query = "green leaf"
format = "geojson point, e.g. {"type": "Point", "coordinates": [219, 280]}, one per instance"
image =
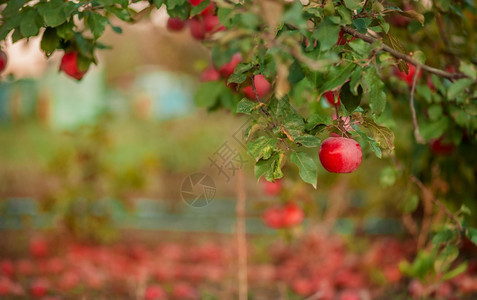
{"type": "Point", "coordinates": [337, 77]}
{"type": "Point", "coordinates": [411, 203]}
{"type": "Point", "coordinates": [387, 177]}
{"type": "Point", "coordinates": [208, 93]}
{"type": "Point", "coordinates": [435, 129]}
{"type": "Point", "coordinates": [199, 8]}
{"type": "Point", "coordinates": [455, 272]}
{"type": "Point", "coordinates": [50, 41]}
{"type": "Point", "coordinates": [12, 8]}
{"type": "Point", "coordinates": [353, 4]}
{"type": "Point", "coordinates": [345, 15]}
{"type": "Point", "coordinates": [443, 236]}
{"type": "Point", "coordinates": [350, 101]}
{"type": "Point", "coordinates": [374, 90]}
{"type": "Point", "coordinates": [270, 168]}
{"type": "Point", "coordinates": [65, 31]}
{"type": "Point", "coordinates": [458, 87]}
{"type": "Point", "coordinates": [472, 234]}
{"type": "Point", "coordinates": [307, 167]}
{"type": "Point", "coordinates": [296, 73]}
{"type": "Point", "coordinates": [159, 3]}
{"type": "Point", "coordinates": [383, 136]}
{"type": "Point", "coordinates": [262, 148]}
{"type": "Point", "coordinates": [30, 23]}
{"type": "Point", "coordinates": [246, 106]}
{"type": "Point", "coordinates": [294, 15]}
{"type": "Point", "coordinates": [171, 4]}
{"type": "Point", "coordinates": [52, 12]}
{"type": "Point", "coordinates": [361, 24]}
{"type": "Point", "coordinates": [327, 34]}
{"type": "Point", "coordinates": [97, 24]}
{"type": "Point", "coordinates": [308, 141]}
{"type": "Point", "coordinates": [316, 119]}
{"type": "Point", "coordinates": [177, 11]}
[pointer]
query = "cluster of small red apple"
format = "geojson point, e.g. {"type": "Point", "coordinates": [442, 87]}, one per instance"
{"type": "Point", "coordinates": [170, 271]}
{"type": "Point", "coordinates": [200, 26]}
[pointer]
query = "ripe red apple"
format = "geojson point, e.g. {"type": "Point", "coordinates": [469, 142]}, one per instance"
{"type": "Point", "coordinates": [340, 155]}
{"type": "Point", "coordinates": [398, 20]}
{"type": "Point", "coordinates": [330, 97]}
{"type": "Point", "coordinates": [273, 217]}
{"type": "Point", "coordinates": [3, 61]}
{"type": "Point", "coordinates": [342, 39]}
{"type": "Point", "coordinates": [228, 68]}
{"type": "Point", "coordinates": [175, 24]}
{"type": "Point", "coordinates": [209, 74]}
{"type": "Point", "coordinates": [262, 86]}
{"type": "Point", "coordinates": [410, 74]}
{"type": "Point", "coordinates": [209, 10]}
{"type": "Point", "coordinates": [197, 28]}
{"type": "Point", "coordinates": [39, 247]}
{"type": "Point", "coordinates": [292, 215]}
{"type": "Point", "coordinates": [40, 287]}
{"type": "Point", "coordinates": [212, 24]}
{"type": "Point", "coordinates": [272, 188]}
{"type": "Point", "coordinates": [439, 147]}
{"type": "Point", "coordinates": [69, 65]}
{"type": "Point", "coordinates": [195, 2]}
{"type": "Point", "coordinates": [154, 292]}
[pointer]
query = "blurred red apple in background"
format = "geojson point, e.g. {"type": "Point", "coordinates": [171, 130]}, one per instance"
{"type": "Point", "coordinates": [228, 68]}
{"type": "Point", "coordinates": [69, 65]}
{"type": "Point", "coordinates": [3, 61]}
{"type": "Point", "coordinates": [175, 24]}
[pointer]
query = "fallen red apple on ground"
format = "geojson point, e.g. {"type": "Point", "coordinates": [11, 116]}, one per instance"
{"type": "Point", "coordinates": [340, 155]}
{"type": "Point", "coordinates": [39, 288]}
{"type": "Point", "coordinates": [39, 247]}
{"type": "Point", "coordinates": [154, 292]}
{"type": "Point", "coordinates": [69, 65]}
{"type": "Point", "coordinates": [175, 24]}
{"type": "Point", "coordinates": [3, 61]}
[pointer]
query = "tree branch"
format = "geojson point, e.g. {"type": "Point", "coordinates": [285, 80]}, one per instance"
{"type": "Point", "coordinates": [438, 203]}
{"type": "Point", "coordinates": [417, 133]}
{"type": "Point", "coordinates": [403, 56]}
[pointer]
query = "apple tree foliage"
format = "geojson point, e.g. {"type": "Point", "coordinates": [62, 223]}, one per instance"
{"type": "Point", "coordinates": [361, 49]}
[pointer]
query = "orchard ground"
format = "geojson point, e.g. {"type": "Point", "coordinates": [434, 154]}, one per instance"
{"type": "Point", "coordinates": [360, 131]}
